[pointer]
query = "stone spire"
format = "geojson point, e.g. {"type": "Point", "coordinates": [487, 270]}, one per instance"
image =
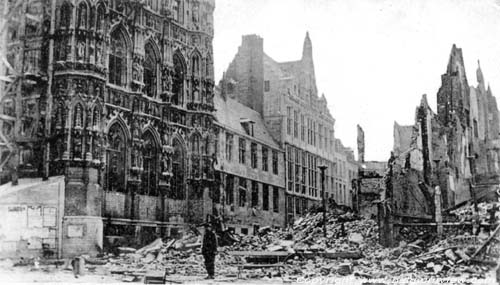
{"type": "Point", "coordinates": [479, 75]}
{"type": "Point", "coordinates": [307, 49]}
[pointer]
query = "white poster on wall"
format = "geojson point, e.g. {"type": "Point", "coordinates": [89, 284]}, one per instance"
{"type": "Point", "coordinates": [49, 217]}
{"type": "Point", "coordinates": [35, 217]}
{"type": "Point", "coordinates": [75, 230]}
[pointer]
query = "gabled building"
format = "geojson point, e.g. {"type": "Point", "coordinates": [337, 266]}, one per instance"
{"type": "Point", "coordinates": [297, 117]}
{"type": "Point", "coordinates": [250, 166]}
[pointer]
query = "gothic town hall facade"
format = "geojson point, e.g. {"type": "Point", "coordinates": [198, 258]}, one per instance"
{"type": "Point", "coordinates": [116, 97]}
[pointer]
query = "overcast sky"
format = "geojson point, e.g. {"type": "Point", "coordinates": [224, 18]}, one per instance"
{"type": "Point", "coordinates": [374, 58]}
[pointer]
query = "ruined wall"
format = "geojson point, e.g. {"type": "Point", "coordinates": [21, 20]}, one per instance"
{"type": "Point", "coordinates": [409, 199]}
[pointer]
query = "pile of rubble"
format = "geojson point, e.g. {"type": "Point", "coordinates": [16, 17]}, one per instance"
{"type": "Point", "coordinates": [350, 247]}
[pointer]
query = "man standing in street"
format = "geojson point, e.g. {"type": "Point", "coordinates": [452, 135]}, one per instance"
{"type": "Point", "coordinates": [209, 250]}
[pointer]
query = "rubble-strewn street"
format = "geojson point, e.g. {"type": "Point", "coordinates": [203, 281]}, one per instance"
{"type": "Point", "coordinates": [349, 250]}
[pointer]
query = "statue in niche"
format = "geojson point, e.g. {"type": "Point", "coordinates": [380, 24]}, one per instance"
{"type": "Point", "coordinates": [135, 71]}
{"type": "Point", "coordinates": [98, 57]}
{"type": "Point", "coordinates": [165, 166]}
{"type": "Point", "coordinates": [77, 148]}
{"type": "Point", "coordinates": [97, 91]}
{"type": "Point", "coordinates": [133, 157]}
{"type": "Point", "coordinates": [135, 130]}
{"type": "Point", "coordinates": [80, 51]}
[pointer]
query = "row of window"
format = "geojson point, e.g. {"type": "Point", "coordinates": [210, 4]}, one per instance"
{"type": "Point", "coordinates": [317, 134]}
{"type": "Point", "coordinates": [303, 175]}
{"type": "Point", "coordinates": [254, 157]}
{"type": "Point", "coordinates": [251, 187]}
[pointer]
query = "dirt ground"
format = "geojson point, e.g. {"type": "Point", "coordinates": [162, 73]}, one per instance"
{"type": "Point", "coordinates": [51, 275]}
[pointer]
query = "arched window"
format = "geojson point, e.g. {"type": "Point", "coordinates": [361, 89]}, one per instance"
{"type": "Point", "coordinates": [66, 11]}
{"type": "Point", "coordinates": [150, 72]}
{"type": "Point", "coordinates": [100, 19]}
{"type": "Point", "coordinates": [116, 157]}
{"type": "Point", "coordinates": [150, 161]}
{"type": "Point", "coordinates": [178, 171]}
{"type": "Point", "coordinates": [178, 12]}
{"type": "Point", "coordinates": [178, 80]}
{"type": "Point", "coordinates": [118, 59]}
{"type": "Point", "coordinates": [81, 16]}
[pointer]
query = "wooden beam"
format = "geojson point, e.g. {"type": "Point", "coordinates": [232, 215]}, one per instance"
{"type": "Point", "coordinates": [486, 242]}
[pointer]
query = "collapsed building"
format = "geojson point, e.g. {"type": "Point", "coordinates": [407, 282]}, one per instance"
{"type": "Point", "coordinates": [369, 183]}
{"type": "Point", "coordinates": [446, 159]}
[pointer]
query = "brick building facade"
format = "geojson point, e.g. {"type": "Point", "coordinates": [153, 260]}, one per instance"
{"type": "Point", "coordinates": [285, 95]}
{"type": "Point", "coordinates": [250, 166]}
{"type": "Point", "coordinates": [117, 96]}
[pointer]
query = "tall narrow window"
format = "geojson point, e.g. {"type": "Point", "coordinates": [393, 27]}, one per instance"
{"type": "Point", "coordinates": [296, 124]}
{"type": "Point", "coordinates": [276, 199]}
{"type": "Point", "coordinates": [118, 59]}
{"type": "Point", "coordinates": [178, 11]}
{"type": "Point", "coordinates": [81, 16]}
{"type": "Point", "coordinates": [99, 24]}
{"type": "Point", "coordinates": [177, 184]}
{"type": "Point", "coordinates": [289, 120]}
{"type": "Point", "coordinates": [289, 176]}
{"type": "Point", "coordinates": [150, 72]}
{"type": "Point", "coordinates": [243, 192]}
{"type": "Point", "coordinates": [66, 12]}
{"type": "Point", "coordinates": [320, 133]}
{"type": "Point", "coordinates": [242, 150]}
{"type": "Point", "coordinates": [255, 194]}
{"type": "Point", "coordinates": [265, 197]}
{"type": "Point", "coordinates": [265, 161]}
{"type": "Point", "coordinates": [229, 147]}
{"type": "Point", "coordinates": [230, 189]}
{"type": "Point", "coordinates": [302, 128]}
{"type": "Point", "coordinates": [150, 161]}
{"type": "Point", "coordinates": [275, 162]}
{"type": "Point", "coordinates": [178, 81]}
{"type": "Point", "coordinates": [116, 154]}
{"type": "Point", "coordinates": [195, 157]}
{"type": "Point", "coordinates": [253, 154]}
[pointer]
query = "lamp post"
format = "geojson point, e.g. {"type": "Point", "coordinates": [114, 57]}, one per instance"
{"type": "Point", "coordinates": [323, 168]}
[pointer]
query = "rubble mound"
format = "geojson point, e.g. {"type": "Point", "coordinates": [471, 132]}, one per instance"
{"type": "Point", "coordinates": [350, 247]}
